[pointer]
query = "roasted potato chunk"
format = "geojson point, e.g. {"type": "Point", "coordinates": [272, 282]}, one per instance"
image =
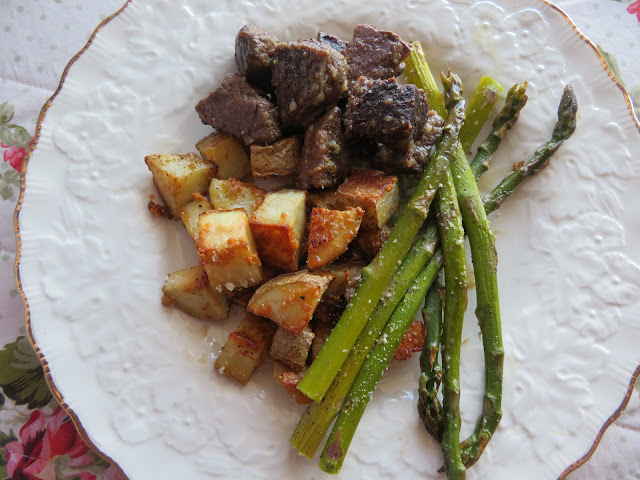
{"type": "Point", "coordinates": [278, 227]}
{"type": "Point", "coordinates": [227, 153]}
{"type": "Point", "coordinates": [190, 213]}
{"type": "Point", "coordinates": [323, 199]}
{"type": "Point", "coordinates": [178, 177]}
{"type": "Point", "coordinates": [373, 191]}
{"type": "Point", "coordinates": [330, 233]}
{"type": "Point", "coordinates": [291, 298]}
{"type": "Point", "coordinates": [231, 194]}
{"type": "Point", "coordinates": [276, 160]}
{"type": "Point", "coordinates": [246, 348]}
{"type": "Point", "coordinates": [189, 290]}
{"type": "Point", "coordinates": [290, 380]}
{"type": "Point", "coordinates": [227, 249]}
{"type": "Point", "coordinates": [291, 348]}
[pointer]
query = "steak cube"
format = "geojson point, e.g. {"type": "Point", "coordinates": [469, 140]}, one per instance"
{"type": "Point", "coordinates": [237, 108]}
{"type": "Point", "coordinates": [323, 164]}
{"type": "Point", "coordinates": [308, 78]}
{"type": "Point", "coordinates": [253, 46]}
{"type": "Point", "coordinates": [375, 53]}
{"type": "Point", "coordinates": [332, 41]}
{"type": "Point", "coordinates": [415, 159]}
{"type": "Point", "coordinates": [386, 112]}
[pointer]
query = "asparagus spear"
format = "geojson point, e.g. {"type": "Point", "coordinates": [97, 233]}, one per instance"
{"type": "Point", "coordinates": [563, 129]}
{"type": "Point", "coordinates": [508, 116]}
{"type": "Point", "coordinates": [381, 354]}
{"type": "Point", "coordinates": [376, 363]}
{"type": "Point", "coordinates": [455, 304]}
{"type": "Point", "coordinates": [376, 276]}
{"type": "Point", "coordinates": [484, 258]}
{"type": "Point", "coordinates": [429, 406]}
{"type": "Point", "coordinates": [317, 418]}
{"type": "Point", "coordinates": [479, 108]}
{"type": "Point", "coordinates": [473, 446]}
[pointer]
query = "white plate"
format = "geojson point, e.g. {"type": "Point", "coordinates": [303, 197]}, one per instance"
{"type": "Point", "coordinates": [139, 376]}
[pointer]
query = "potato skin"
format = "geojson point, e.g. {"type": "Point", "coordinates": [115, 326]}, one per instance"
{"type": "Point", "coordinates": [290, 299]}
{"type": "Point", "coordinates": [189, 290]}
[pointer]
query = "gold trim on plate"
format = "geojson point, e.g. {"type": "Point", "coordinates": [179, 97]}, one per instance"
{"type": "Point", "coordinates": [47, 372]}
{"type": "Point", "coordinates": [56, 393]}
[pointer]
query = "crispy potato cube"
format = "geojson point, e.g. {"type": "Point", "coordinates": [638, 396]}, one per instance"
{"type": "Point", "coordinates": [178, 177]}
{"type": "Point", "coordinates": [246, 348]}
{"type": "Point", "coordinates": [373, 191]}
{"type": "Point", "coordinates": [323, 199]}
{"type": "Point", "coordinates": [227, 153]}
{"type": "Point", "coordinates": [231, 194]}
{"type": "Point", "coordinates": [190, 213]}
{"type": "Point", "coordinates": [189, 290]}
{"type": "Point", "coordinates": [290, 380]}
{"type": "Point", "coordinates": [227, 249]}
{"type": "Point", "coordinates": [278, 227]}
{"type": "Point", "coordinates": [290, 298]}
{"type": "Point", "coordinates": [330, 233]}
{"type": "Point", "coordinates": [292, 349]}
{"type": "Point", "coordinates": [276, 160]}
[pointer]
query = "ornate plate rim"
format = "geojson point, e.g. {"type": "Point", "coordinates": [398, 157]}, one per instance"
{"type": "Point", "coordinates": [48, 375]}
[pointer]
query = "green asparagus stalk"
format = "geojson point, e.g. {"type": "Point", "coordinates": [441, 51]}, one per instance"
{"type": "Point", "coordinates": [479, 108]}
{"type": "Point", "coordinates": [319, 415]}
{"type": "Point", "coordinates": [473, 446]}
{"type": "Point", "coordinates": [376, 276]}
{"type": "Point", "coordinates": [484, 258]}
{"type": "Point", "coordinates": [376, 363]}
{"type": "Point", "coordinates": [508, 116]}
{"type": "Point", "coordinates": [381, 354]}
{"type": "Point", "coordinates": [455, 305]}
{"type": "Point", "coordinates": [429, 406]}
{"type": "Point", "coordinates": [563, 129]}
{"type": "Point", "coordinates": [317, 418]}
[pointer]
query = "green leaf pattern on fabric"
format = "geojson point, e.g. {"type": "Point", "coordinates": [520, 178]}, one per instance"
{"type": "Point", "coordinates": [10, 134]}
{"type": "Point", "coordinates": [21, 375]}
{"type": "Point", "coordinates": [9, 183]}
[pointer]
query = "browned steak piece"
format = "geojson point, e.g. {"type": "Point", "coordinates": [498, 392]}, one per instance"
{"type": "Point", "coordinates": [308, 77]}
{"type": "Point", "coordinates": [323, 164]}
{"type": "Point", "coordinates": [387, 112]}
{"type": "Point", "coordinates": [332, 41]}
{"type": "Point", "coordinates": [414, 160]}
{"type": "Point", "coordinates": [375, 53]}
{"type": "Point", "coordinates": [237, 108]}
{"type": "Point", "coordinates": [393, 161]}
{"type": "Point", "coordinates": [253, 46]}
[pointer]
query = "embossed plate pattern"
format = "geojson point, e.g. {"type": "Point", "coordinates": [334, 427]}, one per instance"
{"type": "Point", "coordinates": [138, 376]}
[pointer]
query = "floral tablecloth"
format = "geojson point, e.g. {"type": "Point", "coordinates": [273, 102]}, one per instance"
{"type": "Point", "coordinates": [37, 39]}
